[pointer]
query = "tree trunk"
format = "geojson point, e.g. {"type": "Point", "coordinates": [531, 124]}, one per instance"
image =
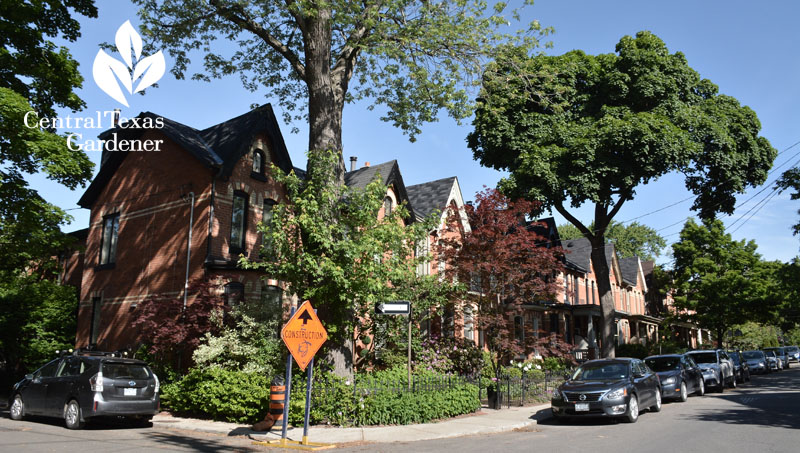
{"type": "Point", "coordinates": [325, 105]}
{"type": "Point", "coordinates": [607, 308]}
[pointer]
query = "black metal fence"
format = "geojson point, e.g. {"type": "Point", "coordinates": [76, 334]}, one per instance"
{"type": "Point", "coordinates": [519, 391]}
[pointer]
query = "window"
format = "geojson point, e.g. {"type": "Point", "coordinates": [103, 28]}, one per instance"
{"type": "Point", "coordinates": [594, 293]}
{"type": "Point", "coordinates": [48, 370]}
{"type": "Point", "coordinates": [271, 307]}
{"type": "Point", "coordinates": [475, 282]}
{"type": "Point", "coordinates": [536, 326]}
{"type": "Point", "coordinates": [258, 161]}
{"type": "Point", "coordinates": [108, 245]}
{"type": "Point", "coordinates": [94, 333]}
{"type": "Point", "coordinates": [234, 293]}
{"type": "Point", "coordinates": [266, 221]}
{"type": "Point", "coordinates": [387, 206]}
{"type": "Point", "coordinates": [519, 329]}
{"type": "Point", "coordinates": [468, 325]}
{"type": "Point", "coordinates": [238, 222]}
{"type": "Point", "coordinates": [554, 323]}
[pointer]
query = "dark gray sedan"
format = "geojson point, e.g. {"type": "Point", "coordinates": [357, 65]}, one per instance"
{"type": "Point", "coordinates": [679, 375]}
{"type": "Point", "coordinates": [608, 388]}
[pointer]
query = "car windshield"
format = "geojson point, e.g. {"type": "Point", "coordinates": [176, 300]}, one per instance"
{"type": "Point", "coordinates": [749, 355]}
{"type": "Point", "coordinates": [606, 371]}
{"type": "Point", "coordinates": [770, 353]}
{"type": "Point", "coordinates": [791, 349]}
{"type": "Point", "coordinates": [705, 357]}
{"type": "Point", "coordinates": [734, 358]}
{"type": "Point", "coordinates": [663, 363]}
{"type": "Point", "coordinates": [125, 371]}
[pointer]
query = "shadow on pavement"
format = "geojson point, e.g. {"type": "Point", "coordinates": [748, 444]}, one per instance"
{"type": "Point", "coordinates": [204, 444]}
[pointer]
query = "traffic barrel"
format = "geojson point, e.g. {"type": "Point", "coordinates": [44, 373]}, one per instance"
{"type": "Point", "coordinates": [277, 396]}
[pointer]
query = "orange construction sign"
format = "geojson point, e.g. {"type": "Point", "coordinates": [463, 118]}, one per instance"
{"type": "Point", "coordinates": [304, 334]}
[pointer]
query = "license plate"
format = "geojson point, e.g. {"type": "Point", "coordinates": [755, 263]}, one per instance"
{"type": "Point", "coordinates": [129, 392]}
{"type": "Point", "coordinates": [581, 407]}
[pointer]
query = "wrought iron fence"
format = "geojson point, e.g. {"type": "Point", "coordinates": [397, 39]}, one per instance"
{"type": "Point", "coordinates": [518, 391]}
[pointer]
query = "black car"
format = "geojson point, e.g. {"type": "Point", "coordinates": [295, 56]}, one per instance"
{"type": "Point", "coordinates": [740, 366]}
{"type": "Point", "coordinates": [608, 388]}
{"type": "Point", "coordinates": [679, 375]}
{"type": "Point", "coordinates": [81, 386]}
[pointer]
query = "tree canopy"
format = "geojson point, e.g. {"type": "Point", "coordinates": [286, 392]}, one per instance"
{"type": "Point", "coordinates": [634, 239]}
{"type": "Point", "coordinates": [790, 179]}
{"type": "Point", "coordinates": [413, 57]}
{"type": "Point", "coordinates": [720, 281]}
{"type": "Point", "coordinates": [578, 128]}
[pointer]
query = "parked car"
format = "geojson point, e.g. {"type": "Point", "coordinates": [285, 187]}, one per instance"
{"type": "Point", "coordinates": [757, 361]}
{"type": "Point", "coordinates": [679, 375]}
{"type": "Point", "coordinates": [717, 368]}
{"type": "Point", "coordinates": [773, 361]}
{"type": "Point", "coordinates": [793, 352]}
{"type": "Point", "coordinates": [608, 388]}
{"type": "Point", "coordinates": [740, 367]}
{"type": "Point", "coordinates": [81, 386]}
{"type": "Point", "coordinates": [781, 354]}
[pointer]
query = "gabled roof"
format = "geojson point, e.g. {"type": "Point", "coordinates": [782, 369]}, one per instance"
{"type": "Point", "coordinates": [390, 176]}
{"type": "Point", "coordinates": [430, 197]}
{"type": "Point", "coordinates": [217, 147]}
{"type": "Point", "coordinates": [546, 228]}
{"type": "Point", "coordinates": [630, 270]}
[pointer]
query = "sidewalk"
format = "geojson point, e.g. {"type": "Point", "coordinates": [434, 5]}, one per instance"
{"type": "Point", "coordinates": [485, 421]}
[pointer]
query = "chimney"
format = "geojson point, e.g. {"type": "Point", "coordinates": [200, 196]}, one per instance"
{"type": "Point", "coordinates": [366, 164]}
{"type": "Point", "coordinates": [353, 160]}
{"type": "Point", "coordinates": [116, 117]}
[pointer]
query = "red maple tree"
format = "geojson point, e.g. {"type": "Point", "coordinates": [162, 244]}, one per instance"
{"type": "Point", "coordinates": [503, 265]}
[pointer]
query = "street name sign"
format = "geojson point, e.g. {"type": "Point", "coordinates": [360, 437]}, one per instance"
{"type": "Point", "coordinates": [304, 334]}
{"type": "Point", "coordinates": [398, 307]}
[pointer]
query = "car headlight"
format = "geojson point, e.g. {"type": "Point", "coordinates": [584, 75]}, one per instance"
{"type": "Point", "coordinates": [617, 394]}
{"type": "Point", "coordinates": [556, 394]}
{"type": "Point", "coordinates": [760, 363]}
{"type": "Point", "coordinates": [669, 381]}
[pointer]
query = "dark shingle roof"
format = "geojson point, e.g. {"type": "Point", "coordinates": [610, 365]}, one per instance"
{"type": "Point", "coordinates": [430, 197]}
{"type": "Point", "coordinates": [578, 254]}
{"type": "Point", "coordinates": [219, 146]}
{"type": "Point", "coordinates": [546, 228]}
{"type": "Point", "coordinates": [629, 267]}
{"type": "Point", "coordinates": [390, 175]}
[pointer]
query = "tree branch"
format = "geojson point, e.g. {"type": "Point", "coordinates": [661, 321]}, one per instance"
{"type": "Point", "coordinates": [580, 226]}
{"type": "Point", "coordinates": [250, 25]}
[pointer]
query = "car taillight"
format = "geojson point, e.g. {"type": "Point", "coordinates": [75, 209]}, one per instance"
{"type": "Point", "coordinates": [96, 382]}
{"type": "Point", "coordinates": [158, 384]}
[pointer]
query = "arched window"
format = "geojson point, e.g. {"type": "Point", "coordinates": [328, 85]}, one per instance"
{"type": "Point", "coordinates": [234, 293]}
{"type": "Point", "coordinates": [258, 162]}
{"type": "Point", "coordinates": [387, 206]}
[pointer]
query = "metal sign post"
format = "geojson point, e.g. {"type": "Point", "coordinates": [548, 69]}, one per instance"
{"type": "Point", "coordinates": [303, 335]}
{"type": "Point", "coordinates": [403, 308]}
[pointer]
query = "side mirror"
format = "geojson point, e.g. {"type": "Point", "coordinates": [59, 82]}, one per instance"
{"type": "Point", "coordinates": [29, 377]}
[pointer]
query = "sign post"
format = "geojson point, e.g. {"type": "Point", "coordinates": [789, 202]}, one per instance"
{"type": "Point", "coordinates": [303, 335]}
{"type": "Point", "coordinates": [403, 308]}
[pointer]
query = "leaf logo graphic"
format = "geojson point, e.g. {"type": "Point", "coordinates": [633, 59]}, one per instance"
{"type": "Point", "coordinates": [109, 72]}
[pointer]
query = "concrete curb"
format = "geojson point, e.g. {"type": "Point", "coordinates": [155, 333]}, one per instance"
{"type": "Point", "coordinates": [479, 423]}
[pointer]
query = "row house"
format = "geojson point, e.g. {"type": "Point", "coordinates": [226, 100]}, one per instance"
{"type": "Point", "coordinates": [159, 220]}
{"type": "Point", "coordinates": [660, 304]}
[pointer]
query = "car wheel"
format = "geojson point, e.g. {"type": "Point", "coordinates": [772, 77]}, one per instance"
{"type": "Point", "coordinates": [657, 407]}
{"type": "Point", "coordinates": [684, 393]}
{"type": "Point", "coordinates": [721, 386]}
{"type": "Point", "coordinates": [733, 381]}
{"type": "Point", "coordinates": [701, 390]}
{"type": "Point", "coordinates": [633, 410]}
{"type": "Point", "coordinates": [17, 409]}
{"type": "Point", "coordinates": [72, 415]}
{"type": "Point", "coordinates": [140, 421]}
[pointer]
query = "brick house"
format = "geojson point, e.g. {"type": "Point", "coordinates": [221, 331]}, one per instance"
{"type": "Point", "coordinates": [161, 219]}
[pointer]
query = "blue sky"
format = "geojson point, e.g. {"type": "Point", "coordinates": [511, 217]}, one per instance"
{"type": "Point", "coordinates": [749, 49]}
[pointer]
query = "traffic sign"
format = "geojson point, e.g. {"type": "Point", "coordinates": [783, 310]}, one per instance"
{"type": "Point", "coordinates": [304, 334]}
{"type": "Point", "coordinates": [398, 307]}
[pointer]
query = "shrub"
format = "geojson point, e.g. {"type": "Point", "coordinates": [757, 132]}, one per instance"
{"type": "Point", "coordinates": [380, 398]}
{"type": "Point", "coordinates": [450, 356]}
{"type": "Point", "coordinates": [219, 394]}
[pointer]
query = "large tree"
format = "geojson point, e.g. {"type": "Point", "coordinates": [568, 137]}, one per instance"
{"type": "Point", "coordinates": [413, 57]}
{"type": "Point", "coordinates": [634, 239]}
{"type": "Point", "coordinates": [578, 128]}
{"type": "Point", "coordinates": [36, 75]}
{"type": "Point", "coordinates": [503, 267]}
{"type": "Point", "coordinates": [720, 282]}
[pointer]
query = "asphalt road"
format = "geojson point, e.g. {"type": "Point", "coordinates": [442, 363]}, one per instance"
{"type": "Point", "coordinates": [762, 416]}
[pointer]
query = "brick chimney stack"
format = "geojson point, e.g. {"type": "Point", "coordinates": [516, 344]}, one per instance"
{"type": "Point", "coordinates": [353, 160]}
